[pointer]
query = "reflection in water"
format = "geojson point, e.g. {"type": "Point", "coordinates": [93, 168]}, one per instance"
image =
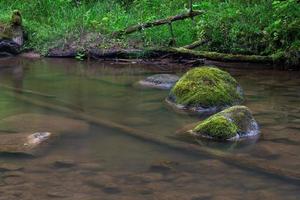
{"type": "Point", "coordinates": [107, 164]}
{"type": "Point", "coordinates": [17, 77]}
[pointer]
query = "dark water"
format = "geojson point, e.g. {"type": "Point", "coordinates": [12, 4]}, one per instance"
{"type": "Point", "coordinates": [105, 163]}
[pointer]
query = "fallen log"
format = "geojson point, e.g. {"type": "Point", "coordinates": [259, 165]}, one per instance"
{"type": "Point", "coordinates": [236, 160]}
{"type": "Point", "coordinates": [195, 44]}
{"type": "Point", "coordinates": [223, 56]}
{"type": "Point", "coordinates": [158, 22]}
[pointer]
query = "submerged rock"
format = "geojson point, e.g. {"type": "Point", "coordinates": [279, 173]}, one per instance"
{"type": "Point", "coordinates": [23, 143]}
{"type": "Point", "coordinates": [205, 90]}
{"type": "Point", "coordinates": [12, 35]}
{"type": "Point", "coordinates": [30, 134]}
{"type": "Point", "coordinates": [232, 123]}
{"type": "Point", "coordinates": [159, 81]}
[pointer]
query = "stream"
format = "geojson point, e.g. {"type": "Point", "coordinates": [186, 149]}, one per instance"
{"type": "Point", "coordinates": [90, 162]}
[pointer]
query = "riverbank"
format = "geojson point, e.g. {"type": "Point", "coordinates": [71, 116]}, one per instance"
{"type": "Point", "coordinates": [87, 29]}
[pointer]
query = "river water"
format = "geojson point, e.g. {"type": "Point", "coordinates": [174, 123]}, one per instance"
{"type": "Point", "coordinates": [101, 162]}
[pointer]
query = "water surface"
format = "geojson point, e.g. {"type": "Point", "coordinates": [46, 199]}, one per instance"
{"type": "Point", "coordinates": [105, 163]}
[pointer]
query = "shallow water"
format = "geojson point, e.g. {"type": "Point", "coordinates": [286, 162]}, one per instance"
{"type": "Point", "coordinates": [105, 163]}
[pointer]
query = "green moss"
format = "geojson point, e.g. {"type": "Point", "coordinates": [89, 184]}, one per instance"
{"type": "Point", "coordinates": [16, 18]}
{"type": "Point", "coordinates": [206, 87]}
{"type": "Point", "coordinates": [218, 127]}
{"type": "Point", "coordinates": [6, 31]}
{"type": "Point", "coordinates": [226, 124]}
{"type": "Point", "coordinates": [240, 115]}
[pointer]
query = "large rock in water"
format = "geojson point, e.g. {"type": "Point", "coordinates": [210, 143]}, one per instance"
{"type": "Point", "coordinates": [11, 35]}
{"type": "Point", "coordinates": [30, 133]}
{"type": "Point", "coordinates": [232, 123]}
{"type": "Point", "coordinates": [205, 90]}
{"type": "Point", "coordinates": [159, 81]}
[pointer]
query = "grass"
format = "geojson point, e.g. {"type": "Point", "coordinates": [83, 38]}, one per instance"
{"type": "Point", "coordinates": [48, 21]}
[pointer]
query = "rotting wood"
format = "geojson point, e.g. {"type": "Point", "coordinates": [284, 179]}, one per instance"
{"type": "Point", "coordinates": [223, 56]}
{"type": "Point", "coordinates": [236, 160]}
{"type": "Point", "coordinates": [195, 44]}
{"type": "Point", "coordinates": [159, 22]}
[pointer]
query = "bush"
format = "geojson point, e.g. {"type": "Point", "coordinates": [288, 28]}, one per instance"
{"type": "Point", "coordinates": [263, 27]}
{"type": "Point", "coordinates": [251, 27]}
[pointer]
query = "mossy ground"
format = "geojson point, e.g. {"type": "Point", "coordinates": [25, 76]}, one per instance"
{"type": "Point", "coordinates": [218, 127]}
{"type": "Point", "coordinates": [5, 31]}
{"type": "Point", "coordinates": [206, 87]}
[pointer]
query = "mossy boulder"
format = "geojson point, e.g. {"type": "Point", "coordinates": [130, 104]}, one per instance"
{"type": "Point", "coordinates": [16, 18]}
{"type": "Point", "coordinates": [205, 89]}
{"type": "Point", "coordinates": [12, 34]}
{"type": "Point", "coordinates": [232, 123]}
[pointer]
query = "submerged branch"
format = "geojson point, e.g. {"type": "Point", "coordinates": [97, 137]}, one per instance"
{"type": "Point", "coordinates": [236, 160]}
{"type": "Point", "coordinates": [20, 91]}
{"type": "Point", "coordinates": [159, 22]}
{"type": "Point", "coordinates": [25, 91]}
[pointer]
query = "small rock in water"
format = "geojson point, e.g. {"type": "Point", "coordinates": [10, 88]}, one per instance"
{"type": "Point", "coordinates": [37, 138]}
{"type": "Point", "coordinates": [160, 81]}
{"type": "Point", "coordinates": [24, 143]}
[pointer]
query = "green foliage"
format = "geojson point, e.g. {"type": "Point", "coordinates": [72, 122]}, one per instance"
{"type": "Point", "coordinates": [206, 87]}
{"type": "Point", "coordinates": [262, 27]}
{"type": "Point", "coordinates": [48, 21]}
{"type": "Point", "coordinates": [251, 27]}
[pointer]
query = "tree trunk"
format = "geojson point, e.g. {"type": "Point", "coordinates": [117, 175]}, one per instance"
{"type": "Point", "coordinates": [223, 56]}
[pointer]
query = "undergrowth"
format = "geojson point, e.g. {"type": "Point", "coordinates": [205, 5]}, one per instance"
{"type": "Point", "coordinates": [263, 27]}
